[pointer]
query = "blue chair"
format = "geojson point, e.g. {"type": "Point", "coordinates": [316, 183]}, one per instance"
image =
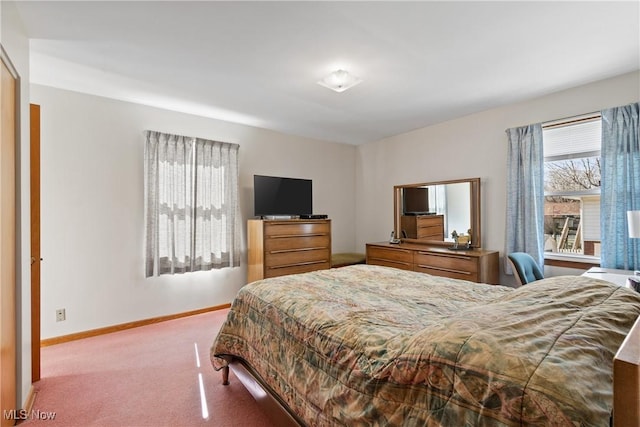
{"type": "Point", "coordinates": [525, 268]}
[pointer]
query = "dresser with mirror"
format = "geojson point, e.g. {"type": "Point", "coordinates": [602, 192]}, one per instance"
{"type": "Point", "coordinates": [440, 232]}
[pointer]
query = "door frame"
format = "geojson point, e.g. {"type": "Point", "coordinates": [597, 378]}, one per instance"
{"type": "Point", "coordinates": [9, 259]}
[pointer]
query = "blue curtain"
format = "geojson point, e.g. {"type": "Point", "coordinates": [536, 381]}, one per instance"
{"type": "Point", "coordinates": [525, 194]}
{"type": "Point", "coordinates": [620, 190]}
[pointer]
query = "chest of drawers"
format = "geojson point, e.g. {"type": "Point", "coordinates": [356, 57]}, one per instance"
{"type": "Point", "coordinates": [280, 247]}
{"type": "Point", "coordinates": [427, 227]}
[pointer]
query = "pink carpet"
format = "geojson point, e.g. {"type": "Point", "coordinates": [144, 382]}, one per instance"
{"type": "Point", "coordinates": [147, 376]}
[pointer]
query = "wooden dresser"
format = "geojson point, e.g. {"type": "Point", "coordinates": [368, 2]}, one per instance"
{"type": "Point", "coordinates": [476, 265]}
{"type": "Point", "coordinates": [427, 227]}
{"type": "Point", "coordinates": [280, 247]}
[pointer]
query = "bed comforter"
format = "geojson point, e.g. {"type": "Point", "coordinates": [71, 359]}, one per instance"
{"type": "Point", "coordinates": [375, 346]}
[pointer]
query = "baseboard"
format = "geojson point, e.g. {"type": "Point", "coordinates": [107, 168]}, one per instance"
{"type": "Point", "coordinates": [31, 398]}
{"type": "Point", "coordinates": [123, 326]}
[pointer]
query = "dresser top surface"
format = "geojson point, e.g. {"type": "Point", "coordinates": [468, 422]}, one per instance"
{"type": "Point", "coordinates": [289, 221]}
{"type": "Point", "coordinates": [433, 248]}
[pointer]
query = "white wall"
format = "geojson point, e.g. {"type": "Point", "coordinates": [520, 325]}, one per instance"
{"type": "Point", "coordinates": [16, 45]}
{"type": "Point", "coordinates": [92, 206]}
{"type": "Point", "coordinates": [468, 147]}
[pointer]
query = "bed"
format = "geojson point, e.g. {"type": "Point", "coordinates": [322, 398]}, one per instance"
{"type": "Point", "coordinates": [368, 345]}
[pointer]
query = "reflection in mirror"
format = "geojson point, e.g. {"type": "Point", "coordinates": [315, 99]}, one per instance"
{"type": "Point", "coordinates": [432, 212]}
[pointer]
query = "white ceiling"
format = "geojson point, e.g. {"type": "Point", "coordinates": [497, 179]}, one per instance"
{"type": "Point", "coordinates": [257, 63]}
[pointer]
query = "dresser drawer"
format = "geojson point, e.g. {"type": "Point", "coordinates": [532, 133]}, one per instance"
{"type": "Point", "coordinates": [295, 228]}
{"type": "Point", "coordinates": [454, 263]}
{"type": "Point", "coordinates": [389, 263]}
{"type": "Point", "coordinates": [453, 266]}
{"type": "Point", "coordinates": [431, 232]}
{"type": "Point", "coordinates": [276, 271]}
{"type": "Point", "coordinates": [390, 257]}
{"type": "Point", "coordinates": [430, 221]}
{"type": "Point", "coordinates": [297, 257]}
{"type": "Point", "coordinates": [274, 245]}
{"type": "Point", "coordinates": [444, 272]}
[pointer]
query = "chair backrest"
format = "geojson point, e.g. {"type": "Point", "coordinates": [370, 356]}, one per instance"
{"type": "Point", "coordinates": [525, 268]}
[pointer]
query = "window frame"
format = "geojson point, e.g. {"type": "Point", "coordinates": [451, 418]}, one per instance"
{"type": "Point", "coordinates": [571, 260]}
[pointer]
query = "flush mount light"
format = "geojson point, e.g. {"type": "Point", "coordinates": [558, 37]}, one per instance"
{"type": "Point", "coordinates": [339, 80]}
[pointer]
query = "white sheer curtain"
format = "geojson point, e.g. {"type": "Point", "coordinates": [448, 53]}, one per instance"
{"type": "Point", "coordinates": [192, 218]}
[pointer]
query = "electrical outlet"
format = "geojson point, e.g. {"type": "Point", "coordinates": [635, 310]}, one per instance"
{"type": "Point", "coordinates": [61, 315]}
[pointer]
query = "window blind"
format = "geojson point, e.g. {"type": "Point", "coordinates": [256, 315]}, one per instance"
{"type": "Point", "coordinates": [578, 138]}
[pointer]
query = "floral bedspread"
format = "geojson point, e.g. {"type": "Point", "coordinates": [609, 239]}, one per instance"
{"type": "Point", "coordinates": [375, 346]}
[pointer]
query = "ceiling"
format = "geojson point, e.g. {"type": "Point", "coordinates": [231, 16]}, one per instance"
{"type": "Point", "coordinates": [257, 63]}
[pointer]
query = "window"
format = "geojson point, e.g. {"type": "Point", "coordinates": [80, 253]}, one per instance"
{"type": "Point", "coordinates": [191, 204]}
{"type": "Point", "coordinates": [572, 186]}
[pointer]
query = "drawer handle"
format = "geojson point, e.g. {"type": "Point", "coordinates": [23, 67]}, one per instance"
{"type": "Point", "coordinates": [390, 261]}
{"type": "Point", "coordinates": [275, 267]}
{"type": "Point", "coordinates": [393, 251]}
{"type": "Point", "coordinates": [430, 267]}
{"type": "Point", "coordinates": [288, 236]}
{"type": "Point", "coordinates": [284, 251]}
{"type": "Point", "coordinates": [446, 256]}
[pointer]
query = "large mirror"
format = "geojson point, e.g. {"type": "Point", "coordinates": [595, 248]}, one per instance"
{"type": "Point", "coordinates": [429, 212]}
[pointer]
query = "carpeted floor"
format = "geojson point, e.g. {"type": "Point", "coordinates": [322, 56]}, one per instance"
{"type": "Point", "coordinates": [147, 376]}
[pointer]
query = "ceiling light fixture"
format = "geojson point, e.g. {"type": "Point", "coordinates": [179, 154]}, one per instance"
{"type": "Point", "coordinates": [339, 80]}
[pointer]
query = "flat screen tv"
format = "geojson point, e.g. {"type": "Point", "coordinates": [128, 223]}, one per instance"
{"type": "Point", "coordinates": [415, 201]}
{"type": "Point", "coordinates": [281, 196]}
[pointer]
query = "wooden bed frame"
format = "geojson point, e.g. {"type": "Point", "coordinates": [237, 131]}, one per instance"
{"type": "Point", "coordinates": [270, 403]}
{"type": "Point", "coordinates": [626, 380]}
{"type": "Point", "coordinates": [626, 386]}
